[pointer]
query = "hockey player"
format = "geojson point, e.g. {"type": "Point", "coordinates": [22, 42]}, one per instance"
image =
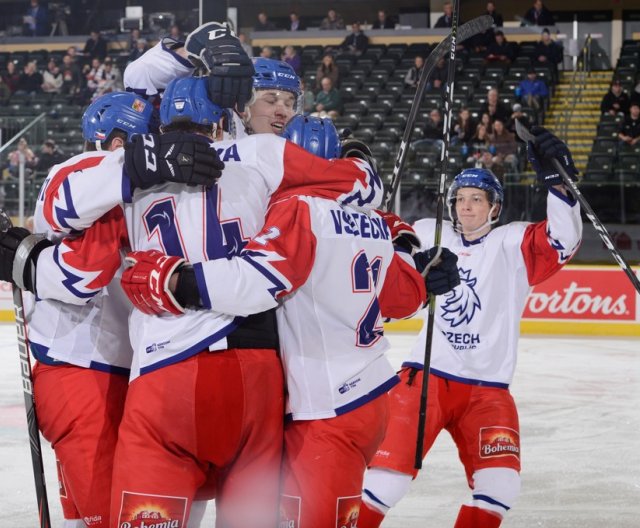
{"type": "Point", "coordinates": [475, 341]}
{"type": "Point", "coordinates": [330, 268]}
{"type": "Point", "coordinates": [83, 352]}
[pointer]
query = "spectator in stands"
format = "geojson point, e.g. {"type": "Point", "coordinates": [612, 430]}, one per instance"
{"type": "Point", "coordinates": [538, 15]}
{"type": "Point", "coordinates": [383, 21]}
{"type": "Point", "coordinates": [72, 51]}
{"type": "Point", "coordinates": [109, 79]}
{"type": "Point", "coordinates": [134, 36]}
{"type": "Point", "coordinates": [464, 127]}
{"type": "Point", "coordinates": [327, 68]}
{"type": "Point", "coordinates": [497, 17]}
{"type": "Point", "coordinates": [36, 20]}
{"type": "Point", "coordinates": [11, 76]}
{"type": "Point", "coordinates": [332, 21]}
{"type": "Point", "coordinates": [413, 75]}
{"type": "Point", "coordinates": [519, 115]}
{"type": "Point", "coordinates": [263, 23]}
{"type": "Point", "coordinates": [176, 33]}
{"type": "Point", "coordinates": [630, 128]}
{"type": "Point", "coordinates": [295, 23]}
{"type": "Point", "coordinates": [96, 46]}
{"type": "Point", "coordinates": [138, 50]}
{"type": "Point", "coordinates": [499, 51]}
{"type": "Point", "coordinates": [489, 161]}
{"type": "Point", "coordinates": [505, 143]}
{"type": "Point", "coordinates": [485, 119]}
{"type": "Point", "coordinates": [308, 98]}
{"type": "Point", "coordinates": [533, 91]}
{"type": "Point", "coordinates": [495, 108]}
{"type": "Point", "coordinates": [266, 52]}
{"type": "Point", "coordinates": [480, 141]}
{"type": "Point", "coordinates": [291, 57]}
{"type": "Point", "coordinates": [328, 100]}
{"type": "Point", "coordinates": [439, 76]}
{"type": "Point", "coordinates": [52, 78]}
{"type": "Point", "coordinates": [357, 42]}
{"type": "Point", "coordinates": [446, 19]}
{"type": "Point", "coordinates": [245, 45]}
{"type": "Point", "coordinates": [548, 53]}
{"type": "Point", "coordinates": [50, 155]}
{"type": "Point", "coordinates": [615, 101]}
{"type": "Point", "coordinates": [30, 81]}
{"type": "Point", "coordinates": [92, 74]}
{"type": "Point", "coordinates": [14, 158]}
{"type": "Point", "coordinates": [5, 92]}
{"type": "Point", "coordinates": [71, 77]}
{"type": "Point", "coordinates": [433, 128]}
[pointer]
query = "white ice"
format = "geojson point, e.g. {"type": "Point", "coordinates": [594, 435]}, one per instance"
{"type": "Point", "coordinates": [579, 404]}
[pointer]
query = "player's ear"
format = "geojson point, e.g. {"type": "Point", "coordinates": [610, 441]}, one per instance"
{"type": "Point", "coordinates": [116, 143]}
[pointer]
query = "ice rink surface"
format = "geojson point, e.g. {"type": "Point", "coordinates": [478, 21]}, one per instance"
{"type": "Point", "coordinates": [579, 403]}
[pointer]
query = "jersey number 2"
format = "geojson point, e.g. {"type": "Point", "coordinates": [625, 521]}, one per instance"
{"type": "Point", "coordinates": [365, 281]}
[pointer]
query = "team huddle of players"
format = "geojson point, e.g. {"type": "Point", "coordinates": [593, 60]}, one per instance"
{"type": "Point", "coordinates": [237, 352]}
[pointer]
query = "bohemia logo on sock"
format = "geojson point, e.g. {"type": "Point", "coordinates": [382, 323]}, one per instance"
{"type": "Point", "coordinates": [499, 441]}
{"type": "Point", "coordinates": [348, 509]}
{"type": "Point", "coordinates": [289, 512]}
{"type": "Point", "coordinates": [139, 510]}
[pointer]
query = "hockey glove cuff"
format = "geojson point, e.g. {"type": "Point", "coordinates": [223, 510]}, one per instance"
{"type": "Point", "coordinates": [19, 251]}
{"type": "Point", "coordinates": [402, 234]}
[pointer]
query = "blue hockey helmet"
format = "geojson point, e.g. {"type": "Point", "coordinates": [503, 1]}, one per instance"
{"type": "Point", "coordinates": [480, 179]}
{"type": "Point", "coordinates": [273, 74]}
{"type": "Point", "coordinates": [187, 100]}
{"type": "Point", "coordinates": [314, 134]}
{"type": "Point", "coordinates": [123, 111]}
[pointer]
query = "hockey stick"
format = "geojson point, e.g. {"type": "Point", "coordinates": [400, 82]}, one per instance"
{"type": "Point", "coordinates": [29, 402]}
{"type": "Point", "coordinates": [444, 162]}
{"type": "Point", "coordinates": [525, 135]}
{"type": "Point", "coordinates": [465, 31]}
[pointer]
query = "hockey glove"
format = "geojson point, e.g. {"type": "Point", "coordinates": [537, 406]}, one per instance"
{"type": "Point", "coordinates": [214, 47]}
{"type": "Point", "coordinates": [354, 148]}
{"type": "Point", "coordinates": [545, 148]}
{"type": "Point", "coordinates": [443, 275]}
{"type": "Point", "coordinates": [19, 251]}
{"type": "Point", "coordinates": [402, 234]}
{"type": "Point", "coordinates": [177, 157]}
{"type": "Point", "coordinates": [146, 282]}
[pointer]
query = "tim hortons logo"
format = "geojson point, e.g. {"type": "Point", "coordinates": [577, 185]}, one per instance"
{"type": "Point", "coordinates": [576, 300]}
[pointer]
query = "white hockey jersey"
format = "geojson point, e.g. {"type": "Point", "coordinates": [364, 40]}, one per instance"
{"type": "Point", "coordinates": [327, 264]}
{"type": "Point", "coordinates": [477, 325]}
{"type": "Point", "coordinates": [94, 333]}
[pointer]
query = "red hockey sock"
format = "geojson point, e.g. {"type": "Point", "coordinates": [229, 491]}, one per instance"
{"type": "Point", "coordinates": [369, 518]}
{"type": "Point", "coordinates": [472, 517]}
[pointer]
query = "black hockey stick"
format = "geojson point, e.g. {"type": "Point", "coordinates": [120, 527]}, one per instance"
{"type": "Point", "coordinates": [29, 402]}
{"type": "Point", "coordinates": [525, 135]}
{"type": "Point", "coordinates": [465, 31]}
{"type": "Point", "coordinates": [444, 162]}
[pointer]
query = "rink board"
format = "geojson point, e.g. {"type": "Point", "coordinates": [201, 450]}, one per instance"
{"type": "Point", "coordinates": [579, 300]}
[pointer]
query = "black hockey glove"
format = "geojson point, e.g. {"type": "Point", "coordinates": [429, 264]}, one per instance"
{"type": "Point", "coordinates": [442, 276]}
{"type": "Point", "coordinates": [214, 47]}
{"type": "Point", "coordinates": [19, 251]}
{"type": "Point", "coordinates": [177, 157]}
{"type": "Point", "coordinates": [545, 148]}
{"type": "Point", "coordinates": [354, 148]}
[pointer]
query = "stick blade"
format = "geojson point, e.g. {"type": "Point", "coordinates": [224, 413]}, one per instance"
{"type": "Point", "coordinates": [523, 132]}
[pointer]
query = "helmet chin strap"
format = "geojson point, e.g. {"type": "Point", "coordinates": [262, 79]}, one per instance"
{"type": "Point", "coordinates": [490, 221]}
